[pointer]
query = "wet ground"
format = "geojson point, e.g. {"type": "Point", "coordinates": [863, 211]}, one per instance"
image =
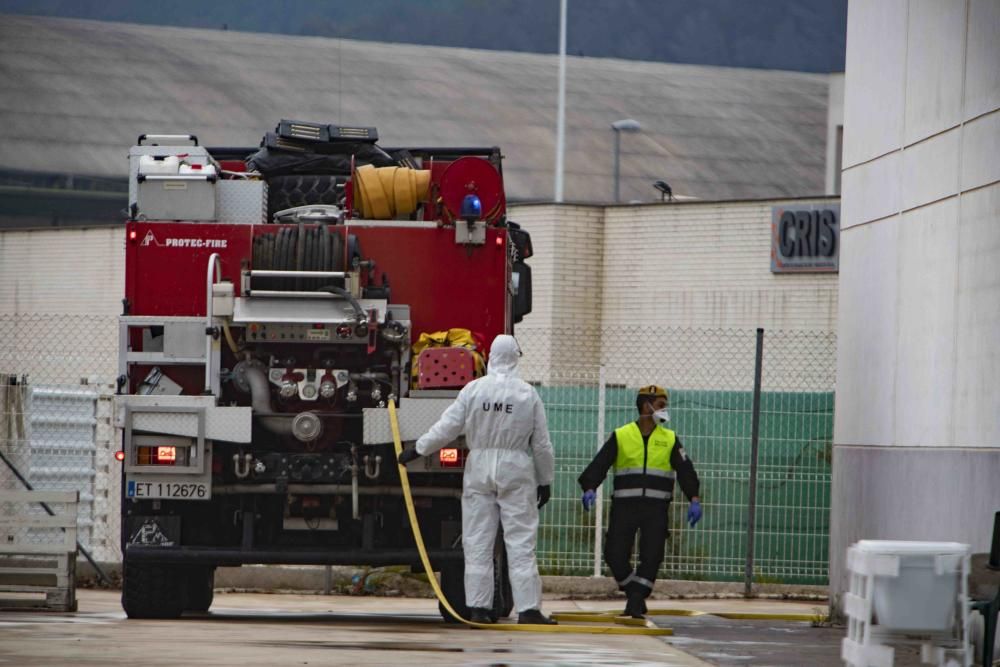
{"type": "Point", "coordinates": [723, 641]}
{"type": "Point", "coordinates": [275, 629]}
{"type": "Point", "coordinates": [260, 629]}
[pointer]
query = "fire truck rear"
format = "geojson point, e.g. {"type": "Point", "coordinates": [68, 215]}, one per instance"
{"type": "Point", "coordinates": [277, 298]}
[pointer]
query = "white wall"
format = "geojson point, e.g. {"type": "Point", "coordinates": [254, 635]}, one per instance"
{"type": "Point", "coordinates": [919, 315]}
{"type": "Point", "coordinates": [619, 282]}
{"type": "Point", "coordinates": [567, 276]}
{"type": "Point", "coordinates": [60, 295]}
{"type": "Point", "coordinates": [698, 264]}
{"type": "Point", "coordinates": [707, 265]}
{"type": "Point", "coordinates": [834, 123]}
{"type": "Point", "coordinates": [67, 271]}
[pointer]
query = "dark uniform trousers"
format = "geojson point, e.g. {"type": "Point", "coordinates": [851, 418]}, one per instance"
{"type": "Point", "coordinates": [649, 517]}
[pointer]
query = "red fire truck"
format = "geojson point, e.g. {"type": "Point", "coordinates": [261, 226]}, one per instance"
{"type": "Point", "coordinates": [276, 298]}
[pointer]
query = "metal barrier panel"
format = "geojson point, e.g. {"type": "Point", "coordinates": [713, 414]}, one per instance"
{"type": "Point", "coordinates": [62, 424]}
{"type": "Point", "coordinates": [56, 383]}
{"type": "Point", "coordinates": [55, 437]}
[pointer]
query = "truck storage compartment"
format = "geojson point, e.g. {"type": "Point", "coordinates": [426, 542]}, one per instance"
{"type": "Point", "coordinates": [171, 177]}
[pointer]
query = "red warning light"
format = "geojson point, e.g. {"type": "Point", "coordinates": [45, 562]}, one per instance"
{"type": "Point", "coordinates": [119, 456]}
{"type": "Point", "coordinates": [499, 241]}
{"type": "Point", "coordinates": [450, 457]}
{"type": "Point", "coordinates": [132, 235]}
{"type": "Point", "coordinates": [166, 454]}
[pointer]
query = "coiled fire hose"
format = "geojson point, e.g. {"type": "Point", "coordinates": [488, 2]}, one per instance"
{"type": "Point", "coordinates": [382, 193]}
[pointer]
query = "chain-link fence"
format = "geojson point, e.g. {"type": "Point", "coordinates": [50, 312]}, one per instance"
{"type": "Point", "coordinates": [710, 377]}
{"type": "Point", "coordinates": [56, 431]}
{"type": "Point", "coordinates": [56, 428]}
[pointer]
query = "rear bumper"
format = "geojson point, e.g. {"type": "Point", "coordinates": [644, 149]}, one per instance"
{"type": "Point", "coordinates": [234, 557]}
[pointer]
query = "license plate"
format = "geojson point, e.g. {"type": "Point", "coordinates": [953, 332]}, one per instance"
{"type": "Point", "coordinates": [172, 490]}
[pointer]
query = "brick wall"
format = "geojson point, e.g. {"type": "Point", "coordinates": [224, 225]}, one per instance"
{"type": "Point", "coordinates": [567, 277]}
{"type": "Point", "coordinates": [674, 266]}
{"type": "Point", "coordinates": [703, 265]}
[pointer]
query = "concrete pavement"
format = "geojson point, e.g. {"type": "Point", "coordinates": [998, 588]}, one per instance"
{"type": "Point", "coordinates": [254, 630]}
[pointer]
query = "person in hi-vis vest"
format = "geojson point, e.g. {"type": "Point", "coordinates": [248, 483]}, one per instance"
{"type": "Point", "coordinates": [647, 458]}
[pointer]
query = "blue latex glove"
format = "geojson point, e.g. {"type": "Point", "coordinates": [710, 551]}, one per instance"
{"type": "Point", "coordinates": [694, 513]}
{"type": "Point", "coordinates": [589, 498]}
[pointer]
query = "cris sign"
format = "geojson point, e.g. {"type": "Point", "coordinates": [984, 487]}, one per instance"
{"type": "Point", "coordinates": [805, 238]}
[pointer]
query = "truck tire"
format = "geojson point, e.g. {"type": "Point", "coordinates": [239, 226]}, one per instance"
{"type": "Point", "coordinates": [301, 190]}
{"type": "Point", "coordinates": [453, 587]}
{"type": "Point", "coordinates": [200, 588]}
{"type": "Point", "coordinates": [503, 596]}
{"type": "Point", "coordinates": [152, 591]}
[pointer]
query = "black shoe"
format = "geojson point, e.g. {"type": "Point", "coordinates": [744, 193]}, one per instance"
{"type": "Point", "coordinates": [635, 607]}
{"type": "Point", "coordinates": [481, 615]}
{"type": "Point", "coordinates": [534, 617]}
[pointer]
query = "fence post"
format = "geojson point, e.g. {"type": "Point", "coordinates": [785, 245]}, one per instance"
{"type": "Point", "coordinates": [754, 435]}
{"type": "Point", "coordinates": [599, 505]}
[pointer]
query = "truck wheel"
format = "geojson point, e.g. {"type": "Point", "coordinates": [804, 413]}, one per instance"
{"type": "Point", "coordinates": [503, 596]}
{"type": "Point", "coordinates": [200, 588]}
{"type": "Point", "coordinates": [152, 591]}
{"type": "Point", "coordinates": [453, 587]}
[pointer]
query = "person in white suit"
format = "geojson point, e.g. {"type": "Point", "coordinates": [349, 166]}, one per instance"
{"type": "Point", "coordinates": [508, 478]}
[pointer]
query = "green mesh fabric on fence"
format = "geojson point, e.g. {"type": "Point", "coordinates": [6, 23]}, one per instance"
{"type": "Point", "coordinates": [792, 488]}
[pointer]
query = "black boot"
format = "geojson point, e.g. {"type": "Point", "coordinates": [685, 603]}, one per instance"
{"type": "Point", "coordinates": [481, 615]}
{"type": "Point", "coordinates": [636, 606]}
{"type": "Point", "coordinates": [534, 617]}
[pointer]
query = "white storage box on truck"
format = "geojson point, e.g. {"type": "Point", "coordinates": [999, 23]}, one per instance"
{"type": "Point", "coordinates": [170, 180]}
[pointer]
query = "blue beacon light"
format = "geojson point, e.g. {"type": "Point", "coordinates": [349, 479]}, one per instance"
{"type": "Point", "coordinates": [472, 208]}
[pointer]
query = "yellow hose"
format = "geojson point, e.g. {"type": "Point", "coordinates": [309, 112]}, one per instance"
{"type": "Point", "coordinates": [615, 628]}
{"type": "Point", "coordinates": [383, 193]}
{"type": "Point", "coordinates": [732, 615]}
{"type": "Point", "coordinates": [229, 338]}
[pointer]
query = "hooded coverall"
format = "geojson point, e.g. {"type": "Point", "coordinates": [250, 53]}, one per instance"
{"type": "Point", "coordinates": [510, 455]}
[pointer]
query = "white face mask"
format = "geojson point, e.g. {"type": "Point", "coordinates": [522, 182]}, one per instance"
{"type": "Point", "coordinates": [661, 416]}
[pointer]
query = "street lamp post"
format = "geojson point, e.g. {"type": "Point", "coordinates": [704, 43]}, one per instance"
{"type": "Point", "coordinates": [561, 114]}
{"type": "Point", "coordinates": [619, 126]}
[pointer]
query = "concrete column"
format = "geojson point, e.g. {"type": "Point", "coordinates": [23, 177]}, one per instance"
{"type": "Point", "coordinates": [917, 434]}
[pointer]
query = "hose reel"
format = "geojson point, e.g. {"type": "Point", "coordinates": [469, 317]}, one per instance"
{"type": "Point", "coordinates": [301, 248]}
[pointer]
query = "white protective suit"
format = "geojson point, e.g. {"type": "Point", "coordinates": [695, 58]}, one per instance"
{"type": "Point", "coordinates": [510, 455]}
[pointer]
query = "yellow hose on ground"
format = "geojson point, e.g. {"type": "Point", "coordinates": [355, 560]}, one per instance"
{"type": "Point", "coordinates": [731, 615]}
{"type": "Point", "coordinates": [616, 628]}
{"type": "Point", "coordinates": [383, 193]}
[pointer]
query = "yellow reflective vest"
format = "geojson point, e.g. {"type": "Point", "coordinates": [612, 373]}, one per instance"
{"type": "Point", "coordinates": [643, 469]}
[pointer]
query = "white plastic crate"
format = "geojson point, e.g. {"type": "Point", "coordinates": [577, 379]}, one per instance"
{"type": "Point", "coordinates": [907, 592]}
